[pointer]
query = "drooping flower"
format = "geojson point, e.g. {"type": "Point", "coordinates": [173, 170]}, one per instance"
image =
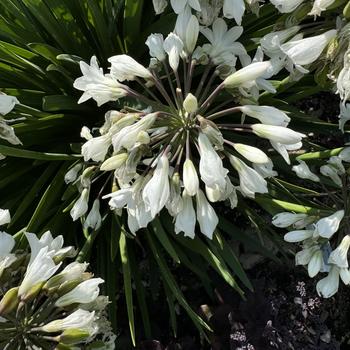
{"type": "Point", "coordinates": [303, 171]}
{"type": "Point", "coordinates": [339, 256]}
{"type": "Point", "coordinates": [327, 226]}
{"type": "Point", "coordinates": [286, 219]}
{"type": "Point", "coordinates": [329, 285]}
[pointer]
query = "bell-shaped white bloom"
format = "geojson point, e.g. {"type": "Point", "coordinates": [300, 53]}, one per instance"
{"type": "Point", "coordinates": [286, 6]}
{"type": "Point", "coordinates": [190, 178]}
{"type": "Point", "coordinates": [173, 46]}
{"type": "Point", "coordinates": [7, 133]}
{"type": "Point", "coordinates": [72, 174]}
{"type": "Point", "coordinates": [157, 190]}
{"type": "Point", "coordinates": [250, 181]}
{"type": "Point", "coordinates": [286, 219]}
{"type": "Point", "coordinates": [304, 256]}
{"type": "Point", "coordinates": [81, 205]}
{"type": "Point", "coordinates": [265, 170]}
{"type": "Point", "coordinates": [329, 285]}
{"type": "Point", "coordinates": [223, 46]}
{"type": "Point", "coordinates": [212, 132]}
{"type": "Point", "coordinates": [190, 103]}
{"type": "Point", "coordinates": [211, 168]}
{"type": "Point", "coordinates": [127, 136]}
{"type": "Point", "coordinates": [79, 319]}
{"type": "Point", "coordinates": [330, 171]}
{"type": "Point", "coordinates": [186, 219]}
{"type": "Point", "coordinates": [337, 163]}
{"type": "Point", "coordinates": [94, 218]}
{"type": "Point", "coordinates": [5, 216]}
{"type": "Point", "coordinates": [339, 256]}
{"type": "Point", "coordinates": [155, 44]}
{"type": "Point", "coordinates": [253, 154]}
{"type": "Point", "coordinates": [315, 264]}
{"type": "Point", "coordinates": [83, 293]}
{"type": "Point", "coordinates": [277, 134]}
{"type": "Point", "coordinates": [96, 85]}
{"type": "Point", "coordinates": [303, 171]}
{"type": "Point", "coordinates": [271, 42]}
{"type": "Point", "coordinates": [319, 6]}
{"type": "Point", "coordinates": [124, 67]}
{"type": "Point", "coordinates": [343, 84]}
{"type": "Point", "coordinates": [7, 103]}
{"type": "Point", "coordinates": [327, 226]}
{"type": "Point", "coordinates": [159, 6]}
{"type": "Point", "coordinates": [245, 76]}
{"type": "Point", "coordinates": [39, 271]}
{"type": "Point", "coordinates": [344, 115]}
{"type": "Point", "coordinates": [234, 9]}
{"type": "Point", "coordinates": [206, 215]}
{"type": "Point", "coordinates": [266, 114]}
{"type": "Point", "coordinates": [54, 245]}
{"type": "Point", "coordinates": [7, 243]}
{"type": "Point", "coordinates": [179, 5]}
{"type": "Point", "coordinates": [305, 51]}
{"type": "Point", "coordinates": [298, 235]}
{"type": "Point", "coordinates": [96, 148]}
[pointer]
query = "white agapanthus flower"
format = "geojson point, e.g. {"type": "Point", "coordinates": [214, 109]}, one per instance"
{"type": "Point", "coordinates": [319, 6]}
{"type": "Point", "coordinates": [303, 171]}
{"type": "Point", "coordinates": [5, 216]}
{"type": "Point", "coordinates": [286, 6]}
{"type": "Point", "coordinates": [286, 219]}
{"type": "Point", "coordinates": [327, 226]}
{"type": "Point", "coordinates": [170, 155]}
{"type": "Point", "coordinates": [7, 244]}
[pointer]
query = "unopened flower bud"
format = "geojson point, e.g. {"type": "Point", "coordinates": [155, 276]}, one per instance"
{"type": "Point", "coordinates": [190, 103]}
{"type": "Point", "coordinates": [5, 216]}
{"type": "Point", "coordinates": [190, 178]}
{"type": "Point", "coordinates": [114, 162]}
{"type": "Point", "coordinates": [94, 218]}
{"type": "Point", "coordinates": [81, 205]}
{"type": "Point", "coordinates": [85, 178]}
{"type": "Point", "coordinates": [73, 336]}
{"type": "Point", "coordinates": [9, 301]}
{"type": "Point", "coordinates": [253, 154]}
{"type": "Point", "coordinates": [72, 173]}
{"type": "Point", "coordinates": [211, 131]}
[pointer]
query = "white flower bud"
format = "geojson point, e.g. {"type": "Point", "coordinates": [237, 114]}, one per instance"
{"type": "Point", "coordinates": [190, 178]}
{"type": "Point", "coordinates": [298, 235]}
{"type": "Point", "coordinates": [186, 219]}
{"type": "Point", "coordinates": [339, 256]}
{"type": "Point", "coordinates": [286, 219]}
{"type": "Point", "coordinates": [206, 215]}
{"type": "Point", "coordinates": [72, 174]}
{"type": "Point", "coordinates": [315, 263]}
{"type": "Point", "coordinates": [7, 103]}
{"type": "Point", "coordinates": [330, 171]}
{"type": "Point", "coordinates": [114, 162]}
{"type": "Point", "coordinates": [155, 44]}
{"type": "Point", "coordinates": [190, 103]}
{"type": "Point", "coordinates": [94, 218]}
{"type": "Point", "coordinates": [327, 226]}
{"type": "Point", "coordinates": [253, 154]}
{"type": "Point", "coordinates": [266, 114]}
{"type": "Point", "coordinates": [5, 216]}
{"type": "Point", "coordinates": [81, 205]}
{"type": "Point", "coordinates": [173, 46]}
{"type": "Point", "coordinates": [302, 170]}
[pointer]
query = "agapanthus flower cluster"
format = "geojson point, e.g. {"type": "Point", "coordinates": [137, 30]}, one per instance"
{"type": "Point", "coordinates": [46, 303]}
{"type": "Point", "coordinates": [324, 239]}
{"type": "Point", "coordinates": [7, 104]}
{"type": "Point", "coordinates": [184, 136]}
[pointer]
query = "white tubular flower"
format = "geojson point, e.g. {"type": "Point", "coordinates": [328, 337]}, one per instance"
{"type": "Point", "coordinates": [190, 103]}
{"type": "Point", "coordinates": [72, 173]}
{"type": "Point", "coordinates": [329, 285]}
{"type": "Point", "coordinates": [79, 319]}
{"type": "Point", "coordinates": [179, 5]}
{"type": "Point", "coordinates": [210, 166]}
{"type": "Point", "coordinates": [319, 6]}
{"type": "Point", "coordinates": [102, 88]}
{"type": "Point", "coordinates": [192, 31]}
{"type": "Point", "coordinates": [124, 67]}
{"type": "Point", "coordinates": [85, 292]}
{"type": "Point", "coordinates": [173, 46]}
{"type": "Point", "coordinates": [266, 114]}
{"type": "Point", "coordinates": [249, 180]}
{"type": "Point", "coordinates": [278, 134]}
{"type": "Point", "coordinates": [96, 148]}
{"type": "Point", "coordinates": [5, 216]}
{"type": "Point", "coordinates": [127, 136]}
{"type": "Point", "coordinates": [222, 42]}
{"type": "Point", "coordinates": [344, 155]}
{"type": "Point", "coordinates": [298, 235]}
{"type": "Point", "coordinates": [38, 272]}
{"type": "Point", "coordinates": [206, 215]}
{"type": "Point", "coordinates": [339, 256]}
{"type": "Point", "coordinates": [330, 171]}
{"type": "Point", "coordinates": [336, 162]}
{"type": "Point", "coordinates": [81, 205]}
{"type": "Point", "coordinates": [286, 6]}
{"type": "Point", "coordinates": [265, 170]}
{"type": "Point", "coordinates": [315, 264]}
{"type": "Point", "coordinates": [247, 75]}
{"type": "Point", "coordinates": [304, 256]}
{"type": "Point", "coordinates": [234, 9]}
{"type": "Point", "coordinates": [155, 44]}
{"type": "Point", "coordinates": [283, 149]}
{"type": "Point", "coordinates": [94, 218]}
{"type": "Point", "coordinates": [114, 162]}
{"type": "Point", "coordinates": [186, 219]}
{"type": "Point", "coordinates": [305, 51]}
{"type": "Point", "coordinates": [7, 103]}
{"type": "Point", "coordinates": [303, 171]}
{"type": "Point", "coordinates": [54, 245]}
{"type": "Point", "coordinates": [286, 219]}
{"type": "Point", "coordinates": [190, 178]}
{"type": "Point", "coordinates": [344, 115]}
{"type": "Point", "coordinates": [7, 243]}
{"type": "Point", "coordinates": [327, 226]}
{"type": "Point", "coordinates": [159, 6]}
{"type": "Point", "coordinates": [253, 154]}
{"type": "Point", "coordinates": [157, 190]}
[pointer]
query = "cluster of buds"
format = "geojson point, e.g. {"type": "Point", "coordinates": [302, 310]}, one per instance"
{"type": "Point", "coordinates": [325, 240]}
{"type": "Point", "coordinates": [46, 304]}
